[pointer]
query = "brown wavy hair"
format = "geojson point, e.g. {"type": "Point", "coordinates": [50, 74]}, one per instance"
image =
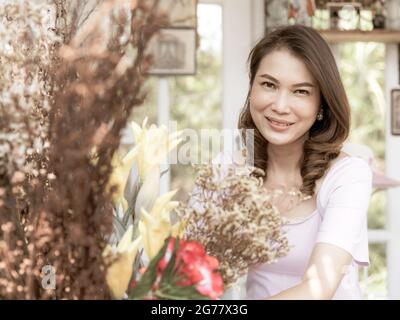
{"type": "Point", "coordinates": [326, 137]}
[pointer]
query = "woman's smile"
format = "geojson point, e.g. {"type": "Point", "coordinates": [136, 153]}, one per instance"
{"type": "Point", "coordinates": [278, 124]}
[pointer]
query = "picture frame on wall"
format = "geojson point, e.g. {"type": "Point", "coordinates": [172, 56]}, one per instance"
{"type": "Point", "coordinates": [173, 51]}
{"type": "Point", "coordinates": [395, 112]}
{"type": "Point", "coordinates": [181, 13]}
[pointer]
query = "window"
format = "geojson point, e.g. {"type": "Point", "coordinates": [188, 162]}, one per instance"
{"type": "Point", "coordinates": [194, 102]}
{"type": "Point", "coordinates": [362, 69]}
{"type": "Point", "coordinates": [197, 100]}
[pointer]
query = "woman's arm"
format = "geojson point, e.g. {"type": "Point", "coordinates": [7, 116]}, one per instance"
{"type": "Point", "coordinates": [325, 271]}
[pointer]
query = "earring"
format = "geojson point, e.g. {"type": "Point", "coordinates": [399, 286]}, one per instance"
{"type": "Point", "coordinates": [320, 115]}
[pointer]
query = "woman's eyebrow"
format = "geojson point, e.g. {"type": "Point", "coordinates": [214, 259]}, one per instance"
{"type": "Point", "coordinates": [267, 76]}
{"type": "Point", "coordinates": [301, 84]}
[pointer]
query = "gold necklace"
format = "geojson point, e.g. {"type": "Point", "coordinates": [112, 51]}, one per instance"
{"type": "Point", "coordinates": [289, 199]}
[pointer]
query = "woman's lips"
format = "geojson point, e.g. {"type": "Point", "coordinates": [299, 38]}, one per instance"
{"type": "Point", "coordinates": [279, 124]}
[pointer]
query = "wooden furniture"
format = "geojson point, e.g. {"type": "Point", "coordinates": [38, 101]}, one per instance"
{"type": "Point", "coordinates": [336, 36]}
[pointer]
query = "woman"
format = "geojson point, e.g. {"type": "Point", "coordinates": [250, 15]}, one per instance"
{"type": "Point", "coordinates": [299, 111]}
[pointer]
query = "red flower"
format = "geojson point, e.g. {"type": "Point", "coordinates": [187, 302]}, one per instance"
{"type": "Point", "coordinates": [202, 272]}
{"type": "Point", "coordinates": [195, 267]}
{"type": "Point", "coordinates": [199, 269]}
{"type": "Point", "coordinates": [189, 257]}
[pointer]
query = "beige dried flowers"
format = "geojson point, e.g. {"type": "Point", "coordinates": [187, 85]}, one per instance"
{"type": "Point", "coordinates": [235, 218]}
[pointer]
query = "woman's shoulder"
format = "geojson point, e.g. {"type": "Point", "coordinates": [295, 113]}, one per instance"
{"type": "Point", "coordinates": [349, 166]}
{"type": "Point", "coordinates": [346, 169]}
{"type": "Point", "coordinates": [342, 169]}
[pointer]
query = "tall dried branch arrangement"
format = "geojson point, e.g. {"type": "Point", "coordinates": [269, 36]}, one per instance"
{"type": "Point", "coordinates": [233, 216]}
{"type": "Point", "coordinates": [69, 78]}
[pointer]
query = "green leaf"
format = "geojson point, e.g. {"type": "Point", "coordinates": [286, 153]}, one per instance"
{"type": "Point", "coordinates": [119, 227]}
{"type": "Point", "coordinates": [176, 292]}
{"type": "Point", "coordinates": [132, 186]}
{"type": "Point", "coordinates": [147, 280]}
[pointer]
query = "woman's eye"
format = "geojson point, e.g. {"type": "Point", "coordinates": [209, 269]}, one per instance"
{"type": "Point", "coordinates": [268, 84]}
{"type": "Point", "coordinates": [302, 92]}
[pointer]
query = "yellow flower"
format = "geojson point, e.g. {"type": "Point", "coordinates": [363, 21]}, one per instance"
{"type": "Point", "coordinates": [155, 227]}
{"type": "Point", "coordinates": [154, 232]}
{"type": "Point", "coordinates": [120, 271]}
{"type": "Point", "coordinates": [119, 177]}
{"type": "Point", "coordinates": [178, 228]}
{"type": "Point", "coordinates": [148, 192]}
{"type": "Point", "coordinates": [152, 146]}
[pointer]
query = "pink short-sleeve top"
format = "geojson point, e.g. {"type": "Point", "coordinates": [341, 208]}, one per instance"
{"type": "Point", "coordinates": [340, 219]}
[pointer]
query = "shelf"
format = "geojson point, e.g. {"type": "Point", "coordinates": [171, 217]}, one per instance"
{"type": "Point", "coordinates": [334, 36]}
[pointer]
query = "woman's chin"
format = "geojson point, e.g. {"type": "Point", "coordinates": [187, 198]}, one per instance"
{"type": "Point", "coordinates": [282, 139]}
{"type": "Point", "coordinates": [279, 141]}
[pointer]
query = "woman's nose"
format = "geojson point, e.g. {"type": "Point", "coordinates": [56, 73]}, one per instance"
{"type": "Point", "coordinates": [281, 103]}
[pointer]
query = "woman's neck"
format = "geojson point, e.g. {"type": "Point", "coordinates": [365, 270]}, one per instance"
{"type": "Point", "coordinates": [284, 163]}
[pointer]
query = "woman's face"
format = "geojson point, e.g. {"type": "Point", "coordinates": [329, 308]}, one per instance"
{"type": "Point", "coordinates": [284, 98]}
